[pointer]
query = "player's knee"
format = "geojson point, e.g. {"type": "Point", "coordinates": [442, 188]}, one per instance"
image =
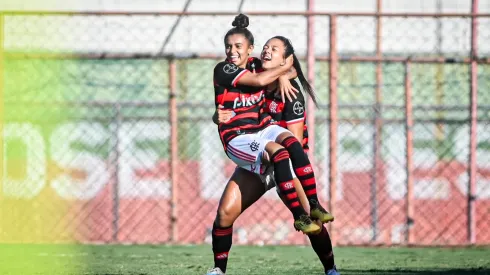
{"type": "Point", "coordinates": [291, 143]}
{"type": "Point", "coordinates": [273, 147]}
{"type": "Point", "coordinates": [226, 217]}
{"type": "Point", "coordinates": [283, 136]}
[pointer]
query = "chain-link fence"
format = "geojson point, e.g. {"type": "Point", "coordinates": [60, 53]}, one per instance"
{"type": "Point", "coordinates": [107, 133]}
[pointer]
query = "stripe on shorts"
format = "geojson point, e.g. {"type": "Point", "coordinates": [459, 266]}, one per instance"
{"type": "Point", "coordinates": [241, 155]}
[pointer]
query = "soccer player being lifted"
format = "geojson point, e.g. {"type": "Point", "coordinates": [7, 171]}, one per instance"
{"type": "Point", "coordinates": [248, 135]}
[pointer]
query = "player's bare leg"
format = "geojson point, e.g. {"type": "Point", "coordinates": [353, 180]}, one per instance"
{"type": "Point", "coordinates": [243, 189]}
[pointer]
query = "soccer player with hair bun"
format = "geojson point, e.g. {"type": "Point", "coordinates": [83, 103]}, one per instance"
{"type": "Point", "coordinates": [250, 135]}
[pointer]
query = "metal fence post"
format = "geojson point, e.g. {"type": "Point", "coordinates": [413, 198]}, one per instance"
{"type": "Point", "coordinates": [409, 153]}
{"type": "Point", "coordinates": [378, 130]}
{"type": "Point", "coordinates": [174, 147]}
{"type": "Point", "coordinates": [473, 124]}
{"type": "Point", "coordinates": [333, 125]}
{"type": "Point", "coordinates": [115, 173]}
{"type": "Point", "coordinates": [310, 53]}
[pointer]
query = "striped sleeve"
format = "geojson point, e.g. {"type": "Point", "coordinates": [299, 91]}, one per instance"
{"type": "Point", "coordinates": [227, 74]}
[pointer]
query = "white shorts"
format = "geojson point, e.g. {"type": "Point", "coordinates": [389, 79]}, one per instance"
{"type": "Point", "coordinates": [246, 150]}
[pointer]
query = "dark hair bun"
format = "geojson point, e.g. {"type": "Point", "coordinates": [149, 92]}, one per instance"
{"type": "Point", "coordinates": [241, 21]}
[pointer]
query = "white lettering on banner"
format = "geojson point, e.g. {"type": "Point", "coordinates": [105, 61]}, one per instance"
{"type": "Point", "coordinates": [398, 232]}
{"type": "Point", "coordinates": [353, 160]}
{"type": "Point", "coordinates": [97, 174]}
{"type": "Point", "coordinates": [431, 188]}
{"type": "Point", "coordinates": [211, 162]}
{"type": "Point", "coordinates": [132, 158]}
{"type": "Point", "coordinates": [65, 156]}
{"type": "Point", "coordinates": [35, 175]}
{"type": "Point", "coordinates": [462, 141]}
{"type": "Point", "coordinates": [482, 186]}
{"type": "Point", "coordinates": [424, 156]}
{"type": "Point", "coordinates": [396, 174]}
{"type": "Point", "coordinates": [357, 159]}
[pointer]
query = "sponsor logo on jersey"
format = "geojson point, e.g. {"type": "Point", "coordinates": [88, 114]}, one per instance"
{"type": "Point", "coordinates": [230, 68]}
{"type": "Point", "coordinates": [247, 101]}
{"type": "Point", "coordinates": [298, 108]}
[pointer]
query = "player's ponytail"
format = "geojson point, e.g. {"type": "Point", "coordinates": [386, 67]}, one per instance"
{"type": "Point", "coordinates": [240, 25]}
{"type": "Point", "coordinates": [289, 50]}
{"type": "Point", "coordinates": [304, 83]}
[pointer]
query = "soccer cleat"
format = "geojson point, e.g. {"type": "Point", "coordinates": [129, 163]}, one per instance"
{"type": "Point", "coordinates": [306, 225]}
{"type": "Point", "coordinates": [317, 212]}
{"type": "Point", "coordinates": [215, 271]}
{"type": "Point", "coordinates": [333, 271]}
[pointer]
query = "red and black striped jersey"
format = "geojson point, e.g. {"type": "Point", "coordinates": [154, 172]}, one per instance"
{"type": "Point", "coordinates": [248, 103]}
{"type": "Point", "coordinates": [288, 113]}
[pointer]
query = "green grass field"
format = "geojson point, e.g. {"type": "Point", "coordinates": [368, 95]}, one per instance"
{"type": "Point", "coordinates": [270, 260]}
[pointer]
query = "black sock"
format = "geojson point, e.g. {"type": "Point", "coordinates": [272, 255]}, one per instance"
{"type": "Point", "coordinates": [222, 239]}
{"type": "Point", "coordinates": [302, 167]}
{"type": "Point", "coordinates": [322, 245]}
{"type": "Point", "coordinates": [284, 180]}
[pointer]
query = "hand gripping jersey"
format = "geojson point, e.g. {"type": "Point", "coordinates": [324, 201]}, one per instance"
{"type": "Point", "coordinates": [247, 102]}
{"type": "Point", "coordinates": [287, 113]}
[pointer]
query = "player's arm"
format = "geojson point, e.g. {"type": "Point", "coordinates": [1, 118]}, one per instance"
{"type": "Point", "coordinates": [290, 74]}
{"type": "Point", "coordinates": [215, 117]}
{"type": "Point", "coordinates": [221, 116]}
{"type": "Point", "coordinates": [266, 77]}
{"type": "Point", "coordinates": [285, 87]}
{"type": "Point", "coordinates": [283, 83]}
{"type": "Point", "coordinates": [219, 93]}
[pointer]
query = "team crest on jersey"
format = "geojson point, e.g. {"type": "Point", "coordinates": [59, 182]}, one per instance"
{"type": "Point", "coordinates": [230, 68]}
{"type": "Point", "coordinates": [298, 108]}
{"type": "Point", "coordinates": [254, 146]}
{"type": "Point", "coordinates": [273, 107]}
